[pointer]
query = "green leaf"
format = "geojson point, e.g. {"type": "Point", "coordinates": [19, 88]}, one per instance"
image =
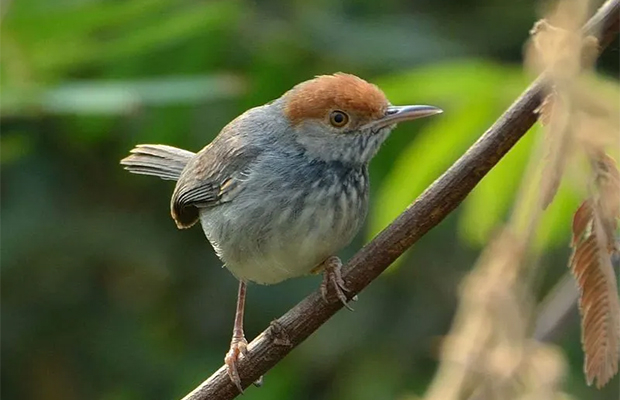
{"type": "Point", "coordinates": [455, 82]}
{"type": "Point", "coordinates": [38, 22]}
{"type": "Point", "coordinates": [436, 147]}
{"type": "Point", "coordinates": [191, 21]}
{"type": "Point", "coordinates": [467, 91]}
{"type": "Point", "coordinates": [490, 201]}
{"type": "Point", "coordinates": [66, 37]}
{"type": "Point", "coordinates": [106, 97]}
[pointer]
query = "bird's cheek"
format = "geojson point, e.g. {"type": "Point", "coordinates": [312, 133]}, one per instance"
{"type": "Point", "coordinates": [372, 142]}
{"type": "Point", "coordinates": [323, 146]}
{"type": "Point", "coordinates": [383, 131]}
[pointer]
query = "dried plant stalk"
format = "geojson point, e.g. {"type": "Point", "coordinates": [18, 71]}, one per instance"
{"type": "Point", "coordinates": [565, 55]}
{"type": "Point", "coordinates": [489, 353]}
{"type": "Point", "coordinates": [578, 119]}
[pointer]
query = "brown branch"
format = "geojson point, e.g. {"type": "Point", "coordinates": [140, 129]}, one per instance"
{"type": "Point", "coordinates": [428, 210]}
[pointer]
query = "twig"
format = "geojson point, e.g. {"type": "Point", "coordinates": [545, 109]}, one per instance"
{"type": "Point", "coordinates": [556, 308]}
{"type": "Point", "coordinates": [428, 210]}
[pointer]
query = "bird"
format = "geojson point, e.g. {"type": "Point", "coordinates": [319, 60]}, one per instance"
{"type": "Point", "coordinates": [284, 186]}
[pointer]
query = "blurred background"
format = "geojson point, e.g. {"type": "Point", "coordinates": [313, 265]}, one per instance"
{"type": "Point", "coordinates": [103, 298]}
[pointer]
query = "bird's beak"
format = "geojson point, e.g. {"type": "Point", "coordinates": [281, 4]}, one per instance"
{"type": "Point", "coordinates": [396, 114]}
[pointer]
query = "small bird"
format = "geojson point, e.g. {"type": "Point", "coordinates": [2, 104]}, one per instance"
{"type": "Point", "coordinates": [284, 186]}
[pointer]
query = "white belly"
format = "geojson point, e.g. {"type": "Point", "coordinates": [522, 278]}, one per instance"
{"type": "Point", "coordinates": [276, 240]}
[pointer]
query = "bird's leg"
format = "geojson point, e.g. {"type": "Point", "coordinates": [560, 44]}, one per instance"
{"type": "Point", "coordinates": [238, 344]}
{"type": "Point", "coordinates": [332, 278]}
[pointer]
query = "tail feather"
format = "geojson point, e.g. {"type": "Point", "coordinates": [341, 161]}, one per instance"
{"type": "Point", "coordinates": [165, 162]}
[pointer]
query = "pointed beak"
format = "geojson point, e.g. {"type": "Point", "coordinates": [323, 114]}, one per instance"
{"type": "Point", "coordinates": [396, 114]}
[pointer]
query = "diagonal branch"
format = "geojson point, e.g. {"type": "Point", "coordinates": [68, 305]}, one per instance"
{"type": "Point", "coordinates": [428, 210]}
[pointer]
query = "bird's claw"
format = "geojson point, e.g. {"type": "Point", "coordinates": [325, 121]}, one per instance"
{"type": "Point", "coordinates": [238, 347]}
{"type": "Point", "coordinates": [332, 278]}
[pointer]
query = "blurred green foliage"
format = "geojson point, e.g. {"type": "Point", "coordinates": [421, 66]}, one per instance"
{"type": "Point", "coordinates": [466, 116]}
{"type": "Point", "coordinates": [103, 298]}
{"type": "Point", "coordinates": [487, 206]}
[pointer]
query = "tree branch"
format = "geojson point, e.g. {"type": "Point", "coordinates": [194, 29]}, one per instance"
{"type": "Point", "coordinates": [427, 211]}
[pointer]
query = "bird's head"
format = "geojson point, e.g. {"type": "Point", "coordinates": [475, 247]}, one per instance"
{"type": "Point", "coordinates": [343, 117]}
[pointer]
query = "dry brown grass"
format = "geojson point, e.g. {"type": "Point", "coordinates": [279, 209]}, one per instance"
{"type": "Point", "coordinates": [490, 352]}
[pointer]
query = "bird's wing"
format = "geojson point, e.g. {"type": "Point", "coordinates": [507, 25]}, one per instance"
{"type": "Point", "coordinates": [214, 176]}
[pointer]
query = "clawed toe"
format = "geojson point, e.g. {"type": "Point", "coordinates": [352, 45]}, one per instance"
{"type": "Point", "coordinates": [238, 348]}
{"type": "Point", "coordinates": [332, 280]}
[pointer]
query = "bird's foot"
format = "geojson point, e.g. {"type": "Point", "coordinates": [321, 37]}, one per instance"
{"type": "Point", "coordinates": [238, 347]}
{"type": "Point", "coordinates": [332, 280]}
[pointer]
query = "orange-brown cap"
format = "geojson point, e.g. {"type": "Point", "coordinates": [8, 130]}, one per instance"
{"type": "Point", "coordinates": [316, 97]}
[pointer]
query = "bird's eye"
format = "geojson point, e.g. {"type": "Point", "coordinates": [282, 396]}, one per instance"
{"type": "Point", "coordinates": [338, 119]}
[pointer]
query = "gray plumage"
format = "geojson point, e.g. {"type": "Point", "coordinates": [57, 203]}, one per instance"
{"type": "Point", "coordinates": [273, 204]}
{"type": "Point", "coordinates": [165, 162]}
{"type": "Point", "coordinates": [284, 186]}
{"type": "Point", "coordinates": [276, 198]}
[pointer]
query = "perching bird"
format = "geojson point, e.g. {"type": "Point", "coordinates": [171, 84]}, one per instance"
{"type": "Point", "coordinates": [284, 186]}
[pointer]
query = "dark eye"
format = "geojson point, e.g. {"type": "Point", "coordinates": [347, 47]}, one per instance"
{"type": "Point", "coordinates": [338, 119]}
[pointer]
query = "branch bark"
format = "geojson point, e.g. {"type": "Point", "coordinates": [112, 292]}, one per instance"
{"type": "Point", "coordinates": [427, 211]}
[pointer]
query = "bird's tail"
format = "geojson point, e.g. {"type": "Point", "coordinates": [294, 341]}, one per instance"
{"type": "Point", "coordinates": [165, 162]}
